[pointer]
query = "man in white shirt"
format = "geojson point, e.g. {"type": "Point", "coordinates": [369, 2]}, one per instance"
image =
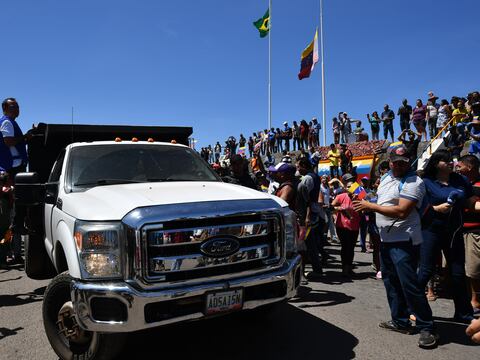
{"type": "Point", "coordinates": [399, 194]}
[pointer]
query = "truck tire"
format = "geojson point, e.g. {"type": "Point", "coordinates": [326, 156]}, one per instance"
{"type": "Point", "coordinates": [67, 339]}
{"type": "Point", "coordinates": [37, 263]}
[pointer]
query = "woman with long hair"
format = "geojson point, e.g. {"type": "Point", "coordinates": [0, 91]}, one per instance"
{"type": "Point", "coordinates": [347, 225]}
{"type": "Point", "coordinates": [304, 131]}
{"type": "Point", "coordinates": [374, 124]}
{"type": "Point", "coordinates": [448, 194]}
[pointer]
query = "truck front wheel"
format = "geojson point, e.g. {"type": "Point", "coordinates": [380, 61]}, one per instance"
{"type": "Point", "coordinates": [67, 338]}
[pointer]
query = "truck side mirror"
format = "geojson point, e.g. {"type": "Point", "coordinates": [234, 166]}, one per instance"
{"type": "Point", "coordinates": [28, 190]}
{"type": "Point", "coordinates": [51, 193]}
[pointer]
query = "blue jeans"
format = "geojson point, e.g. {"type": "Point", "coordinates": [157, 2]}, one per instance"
{"type": "Point", "coordinates": [438, 238]}
{"type": "Point", "coordinates": [388, 128]}
{"type": "Point", "coordinates": [313, 242]}
{"type": "Point", "coordinates": [404, 292]}
{"type": "Point", "coordinates": [363, 232]}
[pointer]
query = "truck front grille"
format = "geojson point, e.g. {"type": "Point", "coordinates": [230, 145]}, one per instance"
{"type": "Point", "coordinates": [175, 251]}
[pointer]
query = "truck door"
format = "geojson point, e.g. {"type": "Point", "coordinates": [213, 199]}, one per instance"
{"type": "Point", "coordinates": [51, 196]}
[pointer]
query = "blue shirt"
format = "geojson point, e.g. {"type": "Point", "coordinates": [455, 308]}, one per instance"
{"type": "Point", "coordinates": [439, 193]}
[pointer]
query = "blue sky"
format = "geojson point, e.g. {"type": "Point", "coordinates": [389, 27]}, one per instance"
{"type": "Point", "coordinates": [202, 63]}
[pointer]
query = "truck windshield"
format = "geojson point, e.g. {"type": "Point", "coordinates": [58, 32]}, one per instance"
{"type": "Point", "coordinates": [97, 165]}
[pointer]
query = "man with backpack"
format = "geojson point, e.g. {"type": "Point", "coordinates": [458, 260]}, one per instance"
{"type": "Point", "coordinates": [400, 194]}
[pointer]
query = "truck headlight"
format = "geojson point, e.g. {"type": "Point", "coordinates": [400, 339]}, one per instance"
{"type": "Point", "coordinates": [291, 234]}
{"type": "Point", "coordinates": [98, 246]}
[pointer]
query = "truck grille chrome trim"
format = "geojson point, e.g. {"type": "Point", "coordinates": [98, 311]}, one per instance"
{"type": "Point", "coordinates": [176, 241]}
{"type": "Point", "coordinates": [196, 261]}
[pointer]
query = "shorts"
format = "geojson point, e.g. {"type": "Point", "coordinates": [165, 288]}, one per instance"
{"type": "Point", "coordinates": [472, 254]}
{"type": "Point", "coordinates": [420, 123]}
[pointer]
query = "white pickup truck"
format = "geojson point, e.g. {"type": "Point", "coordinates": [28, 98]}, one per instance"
{"type": "Point", "coordinates": [142, 234]}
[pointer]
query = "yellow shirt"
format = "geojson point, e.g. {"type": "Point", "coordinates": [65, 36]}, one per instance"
{"type": "Point", "coordinates": [457, 115]}
{"type": "Point", "coordinates": [334, 157]}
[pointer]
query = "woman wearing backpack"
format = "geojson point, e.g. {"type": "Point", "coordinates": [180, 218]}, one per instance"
{"type": "Point", "coordinates": [449, 194]}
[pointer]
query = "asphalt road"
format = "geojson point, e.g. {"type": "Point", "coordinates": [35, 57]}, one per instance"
{"type": "Point", "coordinates": [333, 319]}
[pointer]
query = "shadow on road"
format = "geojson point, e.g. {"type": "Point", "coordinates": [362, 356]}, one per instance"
{"type": "Point", "coordinates": [320, 298]}
{"type": "Point", "coordinates": [17, 278]}
{"type": "Point", "coordinates": [452, 332]}
{"type": "Point", "coordinates": [4, 332]}
{"type": "Point", "coordinates": [21, 299]}
{"type": "Point", "coordinates": [288, 333]}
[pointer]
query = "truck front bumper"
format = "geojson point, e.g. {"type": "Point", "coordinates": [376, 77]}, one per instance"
{"type": "Point", "coordinates": [119, 307]}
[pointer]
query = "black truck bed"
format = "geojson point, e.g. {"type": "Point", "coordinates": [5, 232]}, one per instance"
{"type": "Point", "coordinates": [49, 139]}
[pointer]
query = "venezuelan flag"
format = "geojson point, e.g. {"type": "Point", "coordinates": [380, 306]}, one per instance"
{"type": "Point", "coordinates": [357, 190]}
{"type": "Point", "coordinates": [309, 58]}
{"type": "Point", "coordinates": [362, 165]}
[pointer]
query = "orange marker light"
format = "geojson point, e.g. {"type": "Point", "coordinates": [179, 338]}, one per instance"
{"type": "Point", "coordinates": [173, 141]}
{"type": "Point", "coordinates": [78, 239]}
{"type": "Point", "coordinates": [150, 140]}
{"type": "Point", "coordinates": [134, 139]}
{"type": "Point", "coordinates": [117, 139]}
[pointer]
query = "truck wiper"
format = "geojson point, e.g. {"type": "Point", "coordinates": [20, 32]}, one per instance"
{"type": "Point", "coordinates": [101, 182]}
{"type": "Point", "coordinates": [169, 179]}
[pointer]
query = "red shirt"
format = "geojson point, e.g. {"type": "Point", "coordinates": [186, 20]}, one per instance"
{"type": "Point", "coordinates": [351, 220]}
{"type": "Point", "coordinates": [471, 219]}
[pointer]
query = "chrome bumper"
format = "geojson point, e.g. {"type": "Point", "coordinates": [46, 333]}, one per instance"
{"type": "Point", "coordinates": [135, 300]}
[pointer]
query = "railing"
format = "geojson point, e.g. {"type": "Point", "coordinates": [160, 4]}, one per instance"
{"type": "Point", "coordinates": [429, 146]}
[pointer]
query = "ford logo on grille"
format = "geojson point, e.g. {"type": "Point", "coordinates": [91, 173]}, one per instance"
{"type": "Point", "coordinates": [220, 246]}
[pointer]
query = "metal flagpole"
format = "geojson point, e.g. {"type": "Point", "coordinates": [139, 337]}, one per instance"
{"type": "Point", "coordinates": [269, 65]}
{"type": "Point", "coordinates": [324, 112]}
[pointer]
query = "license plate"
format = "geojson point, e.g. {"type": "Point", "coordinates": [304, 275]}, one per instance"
{"type": "Point", "coordinates": [225, 301]}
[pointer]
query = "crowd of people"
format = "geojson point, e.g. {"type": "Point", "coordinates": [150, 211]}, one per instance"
{"type": "Point", "coordinates": [458, 120]}
{"type": "Point", "coordinates": [406, 219]}
{"type": "Point", "coordinates": [290, 138]}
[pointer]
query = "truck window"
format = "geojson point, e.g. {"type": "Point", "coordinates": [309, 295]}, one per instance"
{"type": "Point", "coordinates": [57, 168]}
{"type": "Point", "coordinates": [107, 164]}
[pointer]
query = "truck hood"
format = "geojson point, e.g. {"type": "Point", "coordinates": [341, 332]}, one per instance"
{"type": "Point", "coordinates": [113, 202]}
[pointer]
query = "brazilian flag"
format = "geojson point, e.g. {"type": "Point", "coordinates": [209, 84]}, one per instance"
{"type": "Point", "coordinates": [263, 24]}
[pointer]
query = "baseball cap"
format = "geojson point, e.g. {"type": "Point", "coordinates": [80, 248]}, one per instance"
{"type": "Point", "coordinates": [347, 177]}
{"type": "Point", "coordinates": [285, 123]}
{"type": "Point", "coordinates": [281, 167]}
{"type": "Point", "coordinates": [364, 178]}
{"type": "Point", "coordinates": [399, 153]}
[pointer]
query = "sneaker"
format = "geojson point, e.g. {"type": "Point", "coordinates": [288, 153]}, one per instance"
{"type": "Point", "coordinates": [428, 339]}
{"type": "Point", "coordinates": [378, 276]}
{"type": "Point", "coordinates": [16, 260]}
{"type": "Point", "coordinates": [390, 325]}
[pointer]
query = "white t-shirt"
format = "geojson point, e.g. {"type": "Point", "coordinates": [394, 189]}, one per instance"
{"type": "Point", "coordinates": [432, 111]}
{"type": "Point", "coordinates": [389, 194]}
{"type": "Point", "coordinates": [8, 131]}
